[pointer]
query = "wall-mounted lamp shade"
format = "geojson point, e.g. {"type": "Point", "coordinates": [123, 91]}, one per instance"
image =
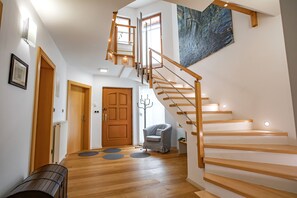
{"type": "Point", "coordinates": [29, 32]}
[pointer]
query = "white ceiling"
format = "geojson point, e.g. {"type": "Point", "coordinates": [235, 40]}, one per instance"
{"type": "Point", "coordinates": [80, 28]}
{"type": "Point", "coordinates": [141, 3]}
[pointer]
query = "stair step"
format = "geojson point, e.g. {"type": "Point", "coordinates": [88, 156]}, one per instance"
{"type": "Point", "coordinates": [204, 112]}
{"type": "Point", "coordinates": [176, 92]}
{"type": "Point", "coordinates": [243, 133]}
{"type": "Point", "coordinates": [205, 194]}
{"type": "Point", "coordinates": [288, 149]}
{"type": "Point", "coordinates": [283, 171]}
{"type": "Point", "coordinates": [221, 121]}
{"type": "Point", "coordinates": [189, 106]}
{"type": "Point", "coordinates": [182, 98]}
{"type": "Point", "coordinates": [181, 105]}
{"type": "Point", "coordinates": [176, 88]}
{"type": "Point", "coordinates": [164, 82]}
{"type": "Point", "coordinates": [246, 189]}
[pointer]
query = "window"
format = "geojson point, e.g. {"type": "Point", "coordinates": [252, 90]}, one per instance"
{"type": "Point", "coordinates": [123, 32]}
{"type": "Point", "coordinates": [153, 28]}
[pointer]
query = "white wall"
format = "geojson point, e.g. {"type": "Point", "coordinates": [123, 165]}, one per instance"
{"type": "Point", "coordinates": [289, 15]}
{"type": "Point", "coordinates": [17, 104]}
{"type": "Point", "coordinates": [100, 82]}
{"type": "Point", "coordinates": [251, 75]}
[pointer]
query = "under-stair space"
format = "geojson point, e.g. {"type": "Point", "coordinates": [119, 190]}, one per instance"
{"type": "Point", "coordinates": [238, 160]}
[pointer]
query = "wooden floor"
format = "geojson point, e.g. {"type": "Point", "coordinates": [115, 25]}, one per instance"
{"type": "Point", "coordinates": [160, 175]}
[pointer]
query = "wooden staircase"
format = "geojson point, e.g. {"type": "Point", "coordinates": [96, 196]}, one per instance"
{"type": "Point", "coordinates": [240, 161]}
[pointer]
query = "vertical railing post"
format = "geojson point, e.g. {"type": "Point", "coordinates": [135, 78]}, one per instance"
{"type": "Point", "coordinates": [116, 44]}
{"type": "Point", "coordinates": [151, 69]}
{"type": "Point", "coordinates": [199, 125]}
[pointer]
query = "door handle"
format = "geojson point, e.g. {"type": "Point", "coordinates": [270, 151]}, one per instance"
{"type": "Point", "coordinates": [105, 117]}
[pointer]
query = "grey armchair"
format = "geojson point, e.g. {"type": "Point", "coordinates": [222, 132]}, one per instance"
{"type": "Point", "coordinates": [158, 137]}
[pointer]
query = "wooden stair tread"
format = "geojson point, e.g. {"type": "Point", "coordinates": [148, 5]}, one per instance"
{"type": "Point", "coordinates": [283, 171]}
{"type": "Point", "coordinates": [245, 133]}
{"type": "Point", "coordinates": [178, 88]}
{"type": "Point", "coordinates": [189, 104]}
{"type": "Point", "coordinates": [220, 121]}
{"type": "Point", "coordinates": [175, 92]}
{"type": "Point", "coordinates": [272, 148]}
{"type": "Point", "coordinates": [182, 98]}
{"type": "Point", "coordinates": [163, 82]}
{"type": "Point", "coordinates": [246, 189]}
{"type": "Point", "coordinates": [205, 194]}
{"type": "Point", "coordinates": [204, 112]}
{"type": "Point", "coordinates": [181, 105]}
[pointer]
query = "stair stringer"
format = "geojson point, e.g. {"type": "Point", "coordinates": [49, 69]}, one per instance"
{"type": "Point", "coordinates": [195, 174]}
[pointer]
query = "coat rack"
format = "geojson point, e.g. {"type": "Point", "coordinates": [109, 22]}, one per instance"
{"type": "Point", "coordinates": [146, 104]}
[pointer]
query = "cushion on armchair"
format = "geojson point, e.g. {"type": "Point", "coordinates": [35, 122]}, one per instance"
{"type": "Point", "coordinates": [159, 131]}
{"type": "Point", "coordinates": [153, 138]}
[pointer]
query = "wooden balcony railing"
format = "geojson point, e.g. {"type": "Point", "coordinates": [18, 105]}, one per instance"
{"type": "Point", "coordinates": [196, 88]}
{"type": "Point", "coordinates": [119, 50]}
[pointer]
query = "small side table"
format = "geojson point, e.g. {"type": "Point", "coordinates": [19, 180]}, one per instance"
{"type": "Point", "coordinates": [182, 147]}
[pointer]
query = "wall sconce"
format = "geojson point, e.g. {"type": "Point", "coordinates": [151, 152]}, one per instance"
{"type": "Point", "coordinates": [29, 32]}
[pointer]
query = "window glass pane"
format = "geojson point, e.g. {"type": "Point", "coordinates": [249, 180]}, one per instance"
{"type": "Point", "coordinates": [151, 28]}
{"type": "Point", "coordinates": [123, 32]}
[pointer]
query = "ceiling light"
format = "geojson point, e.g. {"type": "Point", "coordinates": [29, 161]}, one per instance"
{"type": "Point", "coordinates": [103, 70]}
{"type": "Point", "coordinates": [267, 124]}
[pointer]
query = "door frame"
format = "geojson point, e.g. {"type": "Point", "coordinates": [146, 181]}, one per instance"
{"type": "Point", "coordinates": [40, 55]}
{"type": "Point", "coordinates": [88, 101]}
{"type": "Point", "coordinates": [132, 131]}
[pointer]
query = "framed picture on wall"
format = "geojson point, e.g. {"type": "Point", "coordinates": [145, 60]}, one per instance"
{"type": "Point", "coordinates": [1, 7]}
{"type": "Point", "coordinates": [18, 75]}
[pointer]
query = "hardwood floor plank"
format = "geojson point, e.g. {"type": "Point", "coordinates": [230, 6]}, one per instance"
{"type": "Point", "coordinates": [160, 175]}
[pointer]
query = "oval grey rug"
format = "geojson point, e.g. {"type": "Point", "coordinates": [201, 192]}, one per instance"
{"type": "Point", "coordinates": [88, 153]}
{"type": "Point", "coordinates": [113, 156]}
{"type": "Point", "coordinates": [112, 150]}
{"type": "Point", "coordinates": [140, 155]}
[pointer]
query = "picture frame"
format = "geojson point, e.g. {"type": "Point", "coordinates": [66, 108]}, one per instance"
{"type": "Point", "coordinates": [18, 74]}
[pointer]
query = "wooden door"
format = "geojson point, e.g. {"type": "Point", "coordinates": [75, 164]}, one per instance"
{"type": "Point", "coordinates": [117, 117]}
{"type": "Point", "coordinates": [76, 119]}
{"type": "Point", "coordinates": [43, 112]}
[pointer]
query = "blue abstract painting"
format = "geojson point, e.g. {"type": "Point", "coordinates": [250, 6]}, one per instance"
{"type": "Point", "coordinates": [203, 33]}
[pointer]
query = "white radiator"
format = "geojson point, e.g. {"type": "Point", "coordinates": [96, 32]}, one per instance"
{"type": "Point", "coordinates": [59, 141]}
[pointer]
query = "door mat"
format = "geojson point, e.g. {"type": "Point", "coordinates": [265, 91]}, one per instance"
{"type": "Point", "coordinates": [113, 156]}
{"type": "Point", "coordinates": [140, 155]}
{"type": "Point", "coordinates": [112, 150]}
{"type": "Point", "coordinates": [88, 153]}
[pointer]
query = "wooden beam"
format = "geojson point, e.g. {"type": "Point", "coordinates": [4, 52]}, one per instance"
{"type": "Point", "coordinates": [235, 7]}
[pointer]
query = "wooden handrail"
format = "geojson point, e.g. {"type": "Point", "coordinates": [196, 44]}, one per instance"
{"type": "Point", "coordinates": [198, 101]}
{"type": "Point", "coordinates": [196, 76]}
{"type": "Point", "coordinates": [127, 26]}
{"type": "Point", "coordinates": [114, 17]}
{"type": "Point", "coordinates": [235, 7]}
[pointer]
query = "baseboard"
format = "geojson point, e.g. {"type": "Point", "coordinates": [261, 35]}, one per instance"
{"type": "Point", "coordinates": [195, 184]}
